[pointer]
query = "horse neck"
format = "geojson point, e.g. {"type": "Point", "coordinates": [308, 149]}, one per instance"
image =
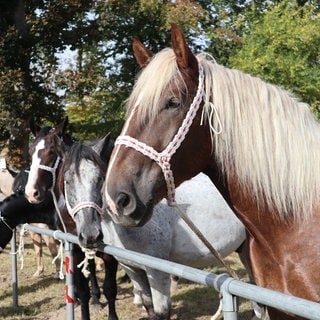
{"type": "Point", "coordinates": [16, 209]}
{"type": "Point", "coordinates": [260, 221]}
{"type": "Point", "coordinates": [6, 235]}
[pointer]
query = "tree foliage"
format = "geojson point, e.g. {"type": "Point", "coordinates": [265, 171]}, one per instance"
{"type": "Point", "coordinates": [283, 48]}
{"type": "Point", "coordinates": [109, 62]}
{"type": "Point", "coordinates": [31, 33]}
{"type": "Point", "coordinates": [276, 40]}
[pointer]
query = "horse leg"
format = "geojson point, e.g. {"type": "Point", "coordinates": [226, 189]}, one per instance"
{"type": "Point", "coordinates": [141, 287]}
{"type": "Point", "coordinates": [160, 283]}
{"type": "Point", "coordinates": [95, 290]}
{"type": "Point", "coordinates": [52, 246]}
{"type": "Point", "coordinates": [37, 244]}
{"type": "Point", "coordinates": [110, 283]}
{"type": "Point", "coordinates": [81, 284]}
{"type": "Point", "coordinates": [99, 265]}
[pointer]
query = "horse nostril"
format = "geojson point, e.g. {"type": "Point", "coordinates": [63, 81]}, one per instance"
{"type": "Point", "coordinates": [123, 201]}
{"type": "Point", "coordinates": [36, 194]}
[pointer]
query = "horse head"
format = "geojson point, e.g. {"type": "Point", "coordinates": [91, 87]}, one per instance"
{"type": "Point", "coordinates": [46, 152]}
{"type": "Point", "coordinates": [81, 180]}
{"type": "Point", "coordinates": [165, 98]}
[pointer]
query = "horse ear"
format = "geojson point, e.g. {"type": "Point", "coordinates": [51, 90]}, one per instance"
{"type": "Point", "coordinates": [141, 53]}
{"type": "Point", "coordinates": [185, 58]}
{"type": "Point", "coordinates": [61, 128]}
{"type": "Point", "coordinates": [59, 145]}
{"type": "Point", "coordinates": [104, 147]}
{"type": "Point", "coordinates": [33, 126]}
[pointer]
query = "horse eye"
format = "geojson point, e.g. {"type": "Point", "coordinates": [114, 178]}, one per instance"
{"type": "Point", "coordinates": [172, 103]}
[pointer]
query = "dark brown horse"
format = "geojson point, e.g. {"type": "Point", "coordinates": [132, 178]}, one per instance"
{"type": "Point", "coordinates": [47, 152]}
{"type": "Point", "coordinates": [259, 145]}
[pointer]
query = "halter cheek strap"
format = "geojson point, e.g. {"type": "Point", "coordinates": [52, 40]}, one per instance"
{"type": "Point", "coordinates": [52, 170]}
{"type": "Point", "coordinates": [163, 158]}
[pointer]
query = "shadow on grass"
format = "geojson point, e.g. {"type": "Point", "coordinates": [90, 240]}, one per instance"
{"type": "Point", "coordinates": [202, 301]}
{"type": "Point", "coordinates": [23, 312]}
{"type": "Point", "coordinates": [33, 287]}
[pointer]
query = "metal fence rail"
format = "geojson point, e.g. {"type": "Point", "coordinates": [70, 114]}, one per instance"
{"type": "Point", "coordinates": [229, 287]}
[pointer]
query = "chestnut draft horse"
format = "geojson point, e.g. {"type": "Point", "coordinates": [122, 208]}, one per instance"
{"type": "Point", "coordinates": [257, 143]}
{"type": "Point", "coordinates": [47, 153]}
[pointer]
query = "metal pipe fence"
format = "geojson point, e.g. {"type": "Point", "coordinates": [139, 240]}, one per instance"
{"type": "Point", "coordinates": [230, 288]}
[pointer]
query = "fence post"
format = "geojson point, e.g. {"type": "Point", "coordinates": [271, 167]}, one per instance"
{"type": "Point", "coordinates": [14, 270]}
{"type": "Point", "coordinates": [69, 280]}
{"type": "Point", "coordinates": [229, 302]}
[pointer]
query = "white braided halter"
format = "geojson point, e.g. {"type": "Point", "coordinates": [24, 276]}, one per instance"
{"type": "Point", "coordinates": [163, 158]}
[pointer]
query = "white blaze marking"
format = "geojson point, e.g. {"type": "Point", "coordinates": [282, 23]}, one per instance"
{"type": "Point", "coordinates": [33, 174]}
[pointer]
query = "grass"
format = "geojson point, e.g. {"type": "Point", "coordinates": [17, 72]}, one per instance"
{"type": "Point", "coordinates": [43, 298]}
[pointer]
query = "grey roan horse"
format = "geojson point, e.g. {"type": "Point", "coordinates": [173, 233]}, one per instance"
{"type": "Point", "coordinates": [165, 235]}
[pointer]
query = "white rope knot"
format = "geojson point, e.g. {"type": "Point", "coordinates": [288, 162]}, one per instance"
{"type": "Point", "coordinates": [88, 255]}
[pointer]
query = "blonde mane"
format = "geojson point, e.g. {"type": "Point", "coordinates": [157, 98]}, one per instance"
{"type": "Point", "coordinates": [269, 139]}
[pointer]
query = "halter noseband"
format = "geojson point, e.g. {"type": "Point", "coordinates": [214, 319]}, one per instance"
{"type": "Point", "coordinates": [163, 158]}
{"type": "Point", "coordinates": [85, 204]}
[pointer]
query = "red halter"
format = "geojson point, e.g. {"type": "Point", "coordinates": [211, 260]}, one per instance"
{"type": "Point", "coordinates": [163, 158]}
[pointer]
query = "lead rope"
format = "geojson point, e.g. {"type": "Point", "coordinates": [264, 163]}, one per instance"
{"type": "Point", "coordinates": [59, 255]}
{"type": "Point", "coordinates": [20, 250]}
{"type": "Point", "coordinates": [200, 235]}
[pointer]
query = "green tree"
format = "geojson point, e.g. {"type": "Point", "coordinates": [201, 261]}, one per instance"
{"type": "Point", "coordinates": [97, 86]}
{"type": "Point", "coordinates": [283, 48]}
{"type": "Point", "coordinates": [31, 33]}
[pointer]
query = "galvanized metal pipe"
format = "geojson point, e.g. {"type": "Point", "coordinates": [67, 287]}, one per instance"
{"type": "Point", "coordinates": [14, 272]}
{"type": "Point", "coordinates": [223, 283]}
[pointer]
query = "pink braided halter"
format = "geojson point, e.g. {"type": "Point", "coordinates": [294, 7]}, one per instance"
{"type": "Point", "coordinates": [163, 158]}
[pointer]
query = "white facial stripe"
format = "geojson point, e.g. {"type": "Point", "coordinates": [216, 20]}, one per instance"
{"type": "Point", "coordinates": [33, 173]}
